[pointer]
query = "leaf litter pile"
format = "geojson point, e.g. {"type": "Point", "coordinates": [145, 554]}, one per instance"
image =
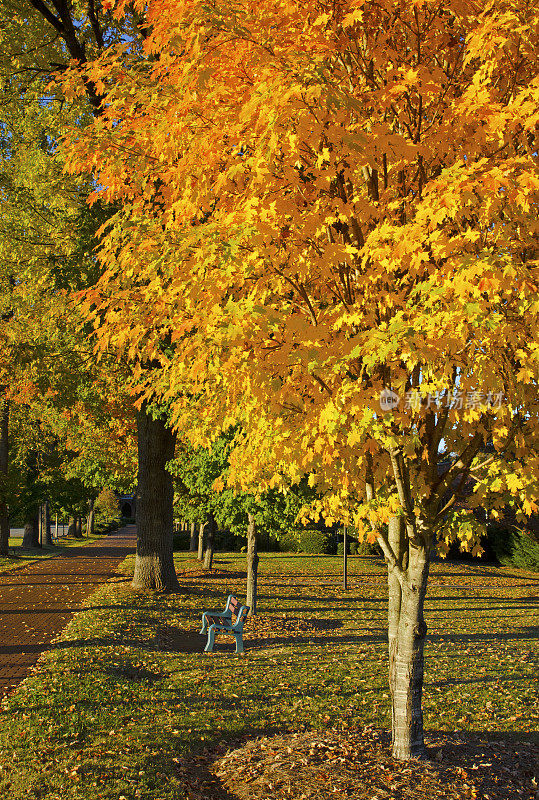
{"type": "Point", "coordinates": [356, 763]}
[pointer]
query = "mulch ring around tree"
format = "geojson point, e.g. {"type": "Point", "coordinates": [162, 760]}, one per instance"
{"type": "Point", "coordinates": [356, 763]}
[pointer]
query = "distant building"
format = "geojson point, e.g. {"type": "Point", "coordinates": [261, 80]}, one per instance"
{"type": "Point", "coordinates": [128, 505]}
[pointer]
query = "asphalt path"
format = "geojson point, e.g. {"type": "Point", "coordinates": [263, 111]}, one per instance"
{"type": "Point", "coordinates": [39, 599]}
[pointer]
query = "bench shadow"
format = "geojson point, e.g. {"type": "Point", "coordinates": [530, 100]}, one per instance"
{"type": "Point", "coordinates": [176, 640]}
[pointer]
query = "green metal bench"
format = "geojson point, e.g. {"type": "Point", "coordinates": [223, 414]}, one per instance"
{"type": "Point", "coordinates": [232, 607]}
{"type": "Point", "coordinates": [220, 623]}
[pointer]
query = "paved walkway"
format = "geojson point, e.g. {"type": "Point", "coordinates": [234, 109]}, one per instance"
{"type": "Point", "coordinates": [37, 601]}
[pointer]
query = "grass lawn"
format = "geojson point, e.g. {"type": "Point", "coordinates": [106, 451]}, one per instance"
{"type": "Point", "coordinates": [20, 556]}
{"type": "Point", "coordinates": [126, 706]}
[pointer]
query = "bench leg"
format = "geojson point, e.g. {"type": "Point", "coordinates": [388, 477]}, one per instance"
{"type": "Point", "coordinates": [204, 623]}
{"type": "Point", "coordinates": [239, 642]}
{"type": "Point", "coordinates": [211, 640]}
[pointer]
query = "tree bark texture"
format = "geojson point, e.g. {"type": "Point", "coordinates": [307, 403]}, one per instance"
{"type": "Point", "coordinates": [72, 526]}
{"type": "Point", "coordinates": [210, 542]}
{"type": "Point", "coordinates": [78, 527]}
{"type": "Point", "coordinates": [31, 530]}
{"type": "Point", "coordinates": [4, 464]}
{"type": "Point", "coordinates": [406, 644]}
{"type": "Point", "coordinates": [154, 563]}
{"type": "Point", "coordinates": [47, 523]}
{"type": "Point", "coordinates": [193, 540]}
{"type": "Point", "coordinates": [201, 533]}
{"type": "Point", "coordinates": [252, 566]}
{"type": "Point", "coordinates": [396, 536]}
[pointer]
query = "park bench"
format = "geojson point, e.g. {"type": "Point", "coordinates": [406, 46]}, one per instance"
{"type": "Point", "coordinates": [214, 622]}
{"type": "Point", "coordinates": [232, 607]}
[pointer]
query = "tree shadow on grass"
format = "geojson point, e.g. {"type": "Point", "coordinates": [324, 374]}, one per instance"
{"type": "Point", "coordinates": [176, 640]}
{"type": "Point", "coordinates": [524, 632]}
{"type": "Point", "coordinates": [501, 765]}
{"type": "Point", "coordinates": [219, 574]}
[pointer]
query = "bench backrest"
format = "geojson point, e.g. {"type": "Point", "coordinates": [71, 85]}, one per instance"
{"type": "Point", "coordinates": [233, 605]}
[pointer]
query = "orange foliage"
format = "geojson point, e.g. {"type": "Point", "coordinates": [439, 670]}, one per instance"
{"type": "Point", "coordinates": [321, 202]}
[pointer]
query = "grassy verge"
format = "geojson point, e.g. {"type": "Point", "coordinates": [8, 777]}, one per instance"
{"type": "Point", "coordinates": [20, 556]}
{"type": "Point", "coordinates": [126, 697]}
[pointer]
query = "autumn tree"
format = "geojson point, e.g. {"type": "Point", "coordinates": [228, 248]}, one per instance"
{"type": "Point", "coordinates": [343, 251]}
{"type": "Point", "coordinates": [71, 428]}
{"type": "Point", "coordinates": [38, 41]}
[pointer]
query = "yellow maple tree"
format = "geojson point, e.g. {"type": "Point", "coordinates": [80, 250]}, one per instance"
{"type": "Point", "coordinates": [330, 212]}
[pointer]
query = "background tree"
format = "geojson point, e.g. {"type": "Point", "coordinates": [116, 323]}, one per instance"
{"type": "Point", "coordinates": [39, 41]}
{"type": "Point", "coordinates": [202, 491]}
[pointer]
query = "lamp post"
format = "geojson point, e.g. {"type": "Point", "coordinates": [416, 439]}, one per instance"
{"type": "Point", "coordinates": [345, 559]}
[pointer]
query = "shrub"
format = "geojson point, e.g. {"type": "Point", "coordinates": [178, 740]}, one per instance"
{"type": "Point", "coordinates": [514, 547]}
{"type": "Point", "coordinates": [289, 543]}
{"type": "Point", "coordinates": [314, 541]}
{"type": "Point", "coordinates": [365, 548]}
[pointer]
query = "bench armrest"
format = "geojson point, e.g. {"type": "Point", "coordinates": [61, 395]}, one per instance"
{"type": "Point", "coordinates": [240, 621]}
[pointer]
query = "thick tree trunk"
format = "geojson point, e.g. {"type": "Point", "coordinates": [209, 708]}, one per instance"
{"type": "Point", "coordinates": [90, 523]}
{"type": "Point", "coordinates": [193, 539]}
{"type": "Point", "coordinates": [252, 566]}
{"type": "Point", "coordinates": [31, 530]}
{"type": "Point", "coordinates": [4, 463]}
{"type": "Point", "coordinates": [201, 532]}
{"type": "Point", "coordinates": [4, 528]}
{"type": "Point", "coordinates": [210, 542]}
{"type": "Point", "coordinates": [78, 528]}
{"type": "Point", "coordinates": [154, 564]}
{"type": "Point", "coordinates": [406, 656]}
{"type": "Point", "coordinates": [72, 526]}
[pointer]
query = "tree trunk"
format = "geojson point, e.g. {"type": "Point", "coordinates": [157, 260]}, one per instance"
{"type": "Point", "coordinates": [154, 564]}
{"type": "Point", "coordinates": [72, 526]}
{"type": "Point", "coordinates": [78, 528]}
{"type": "Point", "coordinates": [396, 537]}
{"type": "Point", "coordinates": [47, 523]}
{"type": "Point", "coordinates": [252, 565]}
{"type": "Point", "coordinates": [201, 531]}
{"type": "Point", "coordinates": [210, 541]}
{"type": "Point", "coordinates": [90, 524]}
{"type": "Point", "coordinates": [407, 638]}
{"type": "Point", "coordinates": [4, 463]}
{"type": "Point", "coordinates": [193, 540]}
{"type": "Point", "coordinates": [31, 530]}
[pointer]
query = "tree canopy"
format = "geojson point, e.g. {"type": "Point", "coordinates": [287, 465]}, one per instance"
{"type": "Point", "coordinates": [330, 212]}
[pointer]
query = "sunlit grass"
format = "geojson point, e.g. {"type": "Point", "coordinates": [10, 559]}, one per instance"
{"type": "Point", "coordinates": [109, 711]}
